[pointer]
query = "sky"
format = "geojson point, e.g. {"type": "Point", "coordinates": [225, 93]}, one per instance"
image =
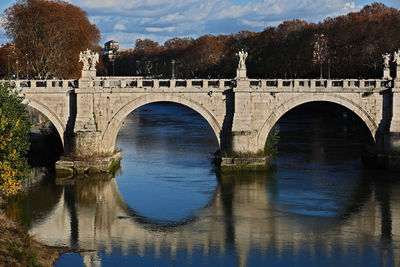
{"type": "Point", "coordinates": [127, 20]}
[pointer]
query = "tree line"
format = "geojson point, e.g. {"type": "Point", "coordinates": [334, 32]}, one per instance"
{"type": "Point", "coordinates": [351, 47]}
{"type": "Point", "coordinates": [47, 37]}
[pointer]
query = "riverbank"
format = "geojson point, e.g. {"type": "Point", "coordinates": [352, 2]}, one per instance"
{"type": "Point", "coordinates": [18, 248]}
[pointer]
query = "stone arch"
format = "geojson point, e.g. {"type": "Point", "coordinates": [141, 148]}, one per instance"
{"type": "Point", "coordinates": [49, 114]}
{"type": "Point", "coordinates": [303, 99]}
{"type": "Point", "coordinates": [114, 125]}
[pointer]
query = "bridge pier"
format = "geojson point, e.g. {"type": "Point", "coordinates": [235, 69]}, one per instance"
{"type": "Point", "coordinates": [241, 151]}
{"type": "Point", "coordinates": [86, 152]}
{"type": "Point", "coordinates": [243, 135]}
{"type": "Point", "coordinates": [393, 153]}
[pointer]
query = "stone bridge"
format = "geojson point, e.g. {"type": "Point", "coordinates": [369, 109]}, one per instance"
{"type": "Point", "coordinates": [89, 112]}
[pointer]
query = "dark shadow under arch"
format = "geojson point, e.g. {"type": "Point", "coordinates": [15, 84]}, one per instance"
{"type": "Point", "coordinates": [300, 100]}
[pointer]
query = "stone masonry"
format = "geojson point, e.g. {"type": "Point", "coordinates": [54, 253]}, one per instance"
{"type": "Point", "coordinates": [88, 114]}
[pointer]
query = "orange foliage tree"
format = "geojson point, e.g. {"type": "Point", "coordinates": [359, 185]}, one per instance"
{"type": "Point", "coordinates": [48, 36]}
{"type": "Point", "coordinates": [354, 47]}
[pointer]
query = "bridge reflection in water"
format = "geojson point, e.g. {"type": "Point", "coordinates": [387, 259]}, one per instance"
{"type": "Point", "coordinates": [244, 215]}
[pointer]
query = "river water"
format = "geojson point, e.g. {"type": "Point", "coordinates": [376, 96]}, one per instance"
{"type": "Point", "coordinates": [167, 206]}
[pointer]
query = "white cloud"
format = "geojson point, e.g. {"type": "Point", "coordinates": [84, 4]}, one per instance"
{"type": "Point", "coordinates": [155, 29]}
{"type": "Point", "coordinates": [164, 19]}
{"type": "Point", "coordinates": [119, 27]}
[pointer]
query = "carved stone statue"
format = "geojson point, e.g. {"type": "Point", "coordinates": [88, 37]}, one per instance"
{"type": "Point", "coordinates": [386, 60]}
{"type": "Point", "coordinates": [89, 60]}
{"type": "Point", "coordinates": [242, 59]}
{"type": "Point", "coordinates": [396, 57]}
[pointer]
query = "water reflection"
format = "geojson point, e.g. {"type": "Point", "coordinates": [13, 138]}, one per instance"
{"type": "Point", "coordinates": [244, 221]}
{"type": "Point", "coordinates": [168, 207]}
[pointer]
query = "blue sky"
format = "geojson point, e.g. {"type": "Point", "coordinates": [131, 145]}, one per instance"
{"type": "Point", "coordinates": [127, 20]}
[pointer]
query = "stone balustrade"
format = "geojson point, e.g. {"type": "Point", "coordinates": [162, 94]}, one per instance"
{"type": "Point", "coordinates": [42, 84]}
{"type": "Point", "coordinates": [208, 84]}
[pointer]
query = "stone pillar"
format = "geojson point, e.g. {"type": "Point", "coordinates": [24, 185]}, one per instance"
{"type": "Point", "coordinates": [393, 150]}
{"type": "Point", "coordinates": [296, 83]}
{"type": "Point", "coordinates": [395, 124]}
{"type": "Point", "coordinates": [87, 78]}
{"type": "Point", "coordinates": [241, 73]}
{"type": "Point", "coordinates": [86, 151]}
{"type": "Point", "coordinates": [386, 74]}
{"type": "Point", "coordinates": [65, 84]}
{"type": "Point", "coordinates": [49, 84]}
{"type": "Point", "coordinates": [33, 84]}
{"type": "Point", "coordinates": [244, 138]}
{"type": "Point", "coordinates": [394, 133]}
{"type": "Point", "coordinates": [123, 83]}
{"type": "Point", "coordinates": [85, 117]}
{"type": "Point", "coordinates": [329, 84]}
{"type": "Point", "coordinates": [106, 83]}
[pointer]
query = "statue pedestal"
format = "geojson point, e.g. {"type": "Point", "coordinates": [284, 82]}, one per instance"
{"type": "Point", "coordinates": [386, 75]}
{"type": "Point", "coordinates": [241, 74]}
{"type": "Point", "coordinates": [88, 73]}
{"type": "Point", "coordinates": [85, 83]}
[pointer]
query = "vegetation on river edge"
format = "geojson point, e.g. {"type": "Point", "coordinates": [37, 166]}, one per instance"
{"type": "Point", "coordinates": [17, 248]}
{"type": "Point", "coordinates": [247, 161]}
{"type": "Point", "coordinates": [14, 141]}
{"type": "Point", "coordinates": [270, 149]}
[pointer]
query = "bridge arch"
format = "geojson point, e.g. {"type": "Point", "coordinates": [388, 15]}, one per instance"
{"type": "Point", "coordinates": [114, 125]}
{"type": "Point", "coordinates": [295, 101]}
{"type": "Point", "coordinates": [49, 114]}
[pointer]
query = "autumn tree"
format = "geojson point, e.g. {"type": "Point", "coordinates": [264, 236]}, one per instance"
{"type": "Point", "coordinates": [7, 60]}
{"type": "Point", "coordinates": [14, 140]}
{"type": "Point", "coordinates": [352, 46]}
{"type": "Point", "coordinates": [146, 45]}
{"type": "Point", "coordinates": [178, 43]}
{"type": "Point", "coordinates": [48, 36]}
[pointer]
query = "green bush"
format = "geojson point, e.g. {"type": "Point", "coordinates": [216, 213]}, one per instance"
{"type": "Point", "coordinates": [14, 140]}
{"type": "Point", "coordinates": [271, 148]}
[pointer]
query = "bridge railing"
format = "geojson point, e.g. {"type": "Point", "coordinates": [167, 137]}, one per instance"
{"type": "Point", "coordinates": [213, 84]}
{"type": "Point", "coordinates": [207, 84]}
{"type": "Point", "coordinates": [181, 84]}
{"type": "Point", "coordinates": [364, 84]}
{"type": "Point", "coordinates": [42, 84]}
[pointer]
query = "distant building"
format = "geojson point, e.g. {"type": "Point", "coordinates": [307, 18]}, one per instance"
{"type": "Point", "coordinates": [110, 49]}
{"type": "Point", "coordinates": [111, 45]}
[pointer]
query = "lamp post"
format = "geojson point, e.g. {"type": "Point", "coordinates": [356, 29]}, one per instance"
{"type": "Point", "coordinates": [320, 69]}
{"type": "Point", "coordinates": [329, 68]}
{"type": "Point", "coordinates": [17, 68]}
{"type": "Point", "coordinates": [27, 64]}
{"type": "Point", "coordinates": [173, 69]}
{"type": "Point", "coordinates": [8, 57]}
{"type": "Point", "coordinates": [320, 50]}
